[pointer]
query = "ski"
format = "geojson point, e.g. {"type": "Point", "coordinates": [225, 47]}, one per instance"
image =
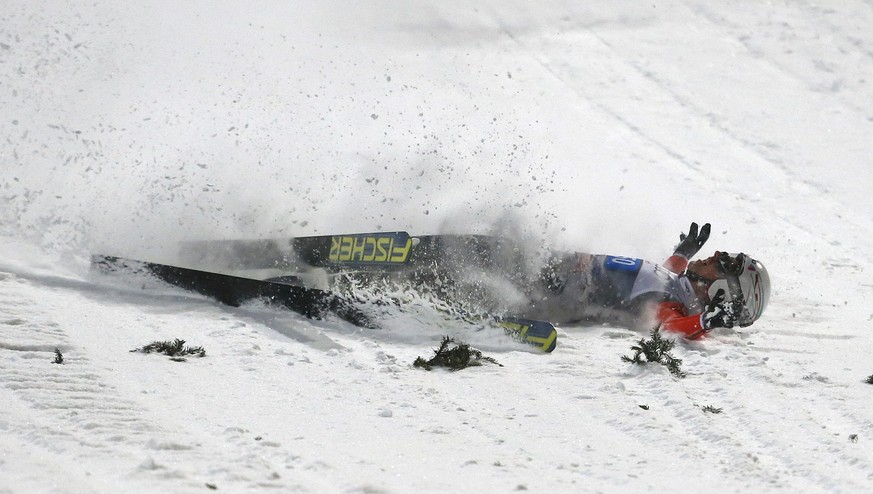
{"type": "Point", "coordinates": [378, 251]}
{"type": "Point", "coordinates": [368, 257]}
{"type": "Point", "coordinates": [381, 250]}
{"type": "Point", "coordinates": [235, 290]}
{"type": "Point", "coordinates": [541, 334]}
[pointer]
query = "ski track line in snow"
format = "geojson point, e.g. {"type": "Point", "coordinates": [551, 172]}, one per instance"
{"type": "Point", "coordinates": [711, 120]}
{"type": "Point", "coordinates": [74, 407]}
{"type": "Point", "coordinates": [71, 394]}
{"type": "Point", "coordinates": [562, 72]}
{"type": "Point", "coordinates": [558, 69]}
{"type": "Point", "coordinates": [838, 39]}
{"type": "Point", "coordinates": [747, 438]}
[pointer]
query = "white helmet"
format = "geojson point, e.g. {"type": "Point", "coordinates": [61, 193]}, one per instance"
{"type": "Point", "coordinates": [746, 285]}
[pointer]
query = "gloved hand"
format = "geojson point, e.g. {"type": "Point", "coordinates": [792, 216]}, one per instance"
{"type": "Point", "coordinates": [718, 313]}
{"type": "Point", "coordinates": [690, 244]}
{"type": "Point", "coordinates": [730, 266]}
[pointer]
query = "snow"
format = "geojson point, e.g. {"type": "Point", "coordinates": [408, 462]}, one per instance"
{"type": "Point", "coordinates": [598, 127]}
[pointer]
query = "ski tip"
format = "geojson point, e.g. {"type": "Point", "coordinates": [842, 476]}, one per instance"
{"type": "Point", "coordinates": [541, 334]}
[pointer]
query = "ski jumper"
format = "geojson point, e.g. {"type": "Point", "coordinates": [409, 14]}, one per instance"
{"type": "Point", "coordinates": [619, 290]}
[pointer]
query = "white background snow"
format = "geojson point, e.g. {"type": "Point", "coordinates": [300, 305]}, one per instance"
{"type": "Point", "coordinates": [603, 127]}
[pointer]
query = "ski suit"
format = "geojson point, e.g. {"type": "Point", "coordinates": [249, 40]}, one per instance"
{"type": "Point", "coordinates": [618, 290]}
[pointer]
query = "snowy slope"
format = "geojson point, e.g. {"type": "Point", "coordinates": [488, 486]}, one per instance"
{"type": "Point", "coordinates": [593, 127]}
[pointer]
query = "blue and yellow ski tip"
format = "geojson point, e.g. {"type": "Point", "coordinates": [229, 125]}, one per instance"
{"type": "Point", "coordinates": [541, 334]}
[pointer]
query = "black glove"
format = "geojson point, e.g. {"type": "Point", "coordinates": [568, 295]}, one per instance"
{"type": "Point", "coordinates": [730, 266]}
{"type": "Point", "coordinates": [690, 244]}
{"type": "Point", "coordinates": [718, 313]}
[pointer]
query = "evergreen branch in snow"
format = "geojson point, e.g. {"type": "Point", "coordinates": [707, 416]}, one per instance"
{"type": "Point", "coordinates": [459, 357]}
{"type": "Point", "coordinates": [656, 349]}
{"type": "Point", "coordinates": [175, 349]}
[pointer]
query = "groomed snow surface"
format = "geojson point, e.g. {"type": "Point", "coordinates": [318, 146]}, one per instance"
{"type": "Point", "coordinates": [602, 127]}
